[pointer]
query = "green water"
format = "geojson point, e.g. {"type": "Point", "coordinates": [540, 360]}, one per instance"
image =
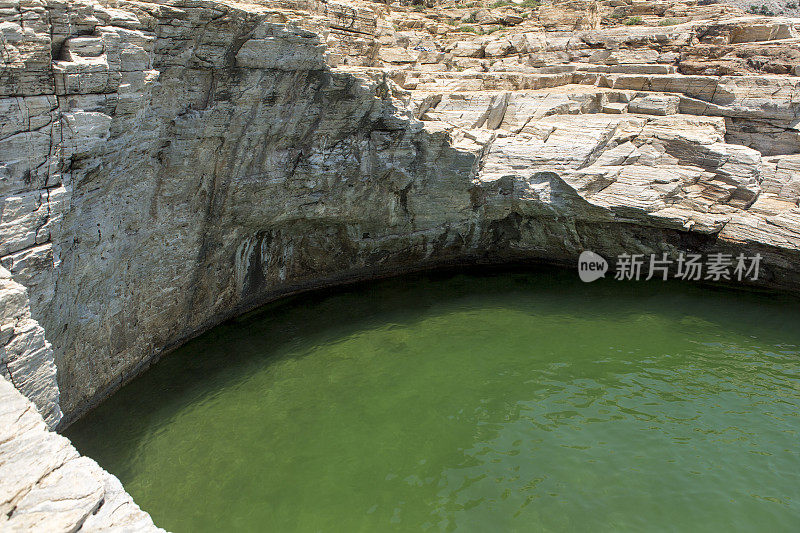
{"type": "Point", "coordinates": [522, 401]}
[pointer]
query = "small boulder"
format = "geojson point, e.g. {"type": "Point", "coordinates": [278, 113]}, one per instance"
{"type": "Point", "coordinates": [614, 108]}
{"type": "Point", "coordinates": [498, 48]}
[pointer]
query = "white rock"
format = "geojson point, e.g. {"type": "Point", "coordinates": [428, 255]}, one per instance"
{"type": "Point", "coordinates": [655, 104]}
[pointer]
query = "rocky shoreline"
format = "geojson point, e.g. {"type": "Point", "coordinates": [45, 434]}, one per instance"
{"type": "Point", "coordinates": [45, 485]}
{"type": "Point", "coordinates": [167, 165]}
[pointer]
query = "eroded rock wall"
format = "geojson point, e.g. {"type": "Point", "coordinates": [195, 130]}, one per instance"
{"type": "Point", "coordinates": [186, 159]}
{"type": "Point", "coordinates": [26, 358]}
{"type": "Point", "coordinates": [166, 165]}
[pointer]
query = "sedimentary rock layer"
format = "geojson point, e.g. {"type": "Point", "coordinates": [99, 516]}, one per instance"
{"type": "Point", "coordinates": [26, 358]}
{"type": "Point", "coordinates": [165, 165]}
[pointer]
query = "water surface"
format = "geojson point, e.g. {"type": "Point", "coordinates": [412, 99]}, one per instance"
{"type": "Point", "coordinates": [521, 401]}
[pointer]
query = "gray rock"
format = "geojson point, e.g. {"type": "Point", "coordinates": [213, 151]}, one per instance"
{"type": "Point", "coordinates": [178, 163]}
{"type": "Point", "coordinates": [615, 108]}
{"type": "Point", "coordinates": [655, 104]}
{"type": "Point", "coordinates": [45, 485]}
{"type": "Point", "coordinates": [26, 358]}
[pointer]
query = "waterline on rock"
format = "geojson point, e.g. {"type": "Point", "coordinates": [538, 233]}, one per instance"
{"type": "Point", "coordinates": [470, 402]}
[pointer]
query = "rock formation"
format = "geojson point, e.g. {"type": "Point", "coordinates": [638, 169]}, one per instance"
{"type": "Point", "coordinates": [166, 165]}
{"type": "Point", "coordinates": [26, 359]}
{"type": "Point", "coordinates": [46, 486]}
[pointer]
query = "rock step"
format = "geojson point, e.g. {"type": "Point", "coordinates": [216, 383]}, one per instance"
{"type": "Point", "coordinates": [758, 97]}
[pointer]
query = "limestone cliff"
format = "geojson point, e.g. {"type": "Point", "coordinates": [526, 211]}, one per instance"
{"type": "Point", "coordinates": [165, 165]}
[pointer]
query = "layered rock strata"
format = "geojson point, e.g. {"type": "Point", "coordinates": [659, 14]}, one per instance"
{"type": "Point", "coordinates": [26, 358]}
{"type": "Point", "coordinates": [165, 165]}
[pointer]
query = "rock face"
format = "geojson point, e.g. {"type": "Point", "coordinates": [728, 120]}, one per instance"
{"type": "Point", "coordinates": [26, 358]}
{"type": "Point", "coordinates": [45, 485]}
{"type": "Point", "coordinates": [166, 165]}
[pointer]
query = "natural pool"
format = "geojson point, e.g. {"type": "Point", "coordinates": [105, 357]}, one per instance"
{"type": "Point", "coordinates": [516, 401]}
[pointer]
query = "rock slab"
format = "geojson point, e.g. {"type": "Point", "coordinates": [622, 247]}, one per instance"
{"type": "Point", "coordinates": [46, 485]}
